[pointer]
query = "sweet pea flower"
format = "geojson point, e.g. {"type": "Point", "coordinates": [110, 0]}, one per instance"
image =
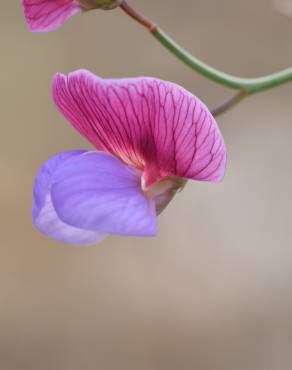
{"type": "Point", "coordinates": [150, 137]}
{"type": "Point", "coordinates": [48, 15]}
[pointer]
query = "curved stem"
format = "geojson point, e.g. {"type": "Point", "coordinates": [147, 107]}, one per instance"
{"type": "Point", "coordinates": [249, 85]}
{"type": "Point", "coordinates": [137, 16]}
{"type": "Point", "coordinates": [229, 103]}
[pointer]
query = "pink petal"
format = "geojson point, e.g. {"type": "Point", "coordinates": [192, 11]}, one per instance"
{"type": "Point", "coordinates": [154, 125]}
{"type": "Point", "coordinates": [48, 15]}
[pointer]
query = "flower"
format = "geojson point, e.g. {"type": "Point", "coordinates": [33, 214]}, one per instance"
{"type": "Point", "coordinates": [150, 137]}
{"type": "Point", "coordinates": [48, 15]}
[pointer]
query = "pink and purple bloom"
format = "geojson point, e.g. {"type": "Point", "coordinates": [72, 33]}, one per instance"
{"type": "Point", "coordinates": [150, 137]}
{"type": "Point", "coordinates": [48, 15]}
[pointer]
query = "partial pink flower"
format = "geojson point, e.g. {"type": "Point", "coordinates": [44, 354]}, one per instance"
{"type": "Point", "coordinates": [150, 137]}
{"type": "Point", "coordinates": [48, 15]}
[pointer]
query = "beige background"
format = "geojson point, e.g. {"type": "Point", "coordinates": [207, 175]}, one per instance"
{"type": "Point", "coordinates": [213, 290]}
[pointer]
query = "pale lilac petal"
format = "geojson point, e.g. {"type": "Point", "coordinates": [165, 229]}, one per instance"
{"type": "Point", "coordinates": [154, 125]}
{"type": "Point", "coordinates": [96, 191]}
{"type": "Point", "coordinates": [48, 15]}
{"type": "Point", "coordinates": [44, 214]}
{"type": "Point", "coordinates": [51, 225]}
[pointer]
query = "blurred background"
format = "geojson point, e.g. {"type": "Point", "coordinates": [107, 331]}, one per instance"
{"type": "Point", "coordinates": [213, 290]}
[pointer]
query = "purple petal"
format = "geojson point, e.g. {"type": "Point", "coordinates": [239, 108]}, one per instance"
{"type": "Point", "coordinates": [45, 217]}
{"type": "Point", "coordinates": [153, 125]}
{"type": "Point", "coordinates": [96, 191]}
{"type": "Point", "coordinates": [48, 15]}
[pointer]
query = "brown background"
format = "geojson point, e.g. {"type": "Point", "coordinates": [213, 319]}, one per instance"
{"type": "Point", "coordinates": [213, 290]}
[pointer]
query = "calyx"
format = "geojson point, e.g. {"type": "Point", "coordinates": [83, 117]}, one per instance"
{"type": "Point", "coordinates": [100, 4]}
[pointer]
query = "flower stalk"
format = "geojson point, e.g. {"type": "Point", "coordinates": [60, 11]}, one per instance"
{"type": "Point", "coordinates": [138, 16]}
{"type": "Point", "coordinates": [248, 85]}
{"type": "Point", "coordinates": [229, 103]}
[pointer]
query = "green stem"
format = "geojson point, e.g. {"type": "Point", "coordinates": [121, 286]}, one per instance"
{"type": "Point", "coordinates": [248, 85]}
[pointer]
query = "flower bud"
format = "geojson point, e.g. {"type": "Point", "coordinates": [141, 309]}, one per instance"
{"type": "Point", "coordinates": [100, 4]}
